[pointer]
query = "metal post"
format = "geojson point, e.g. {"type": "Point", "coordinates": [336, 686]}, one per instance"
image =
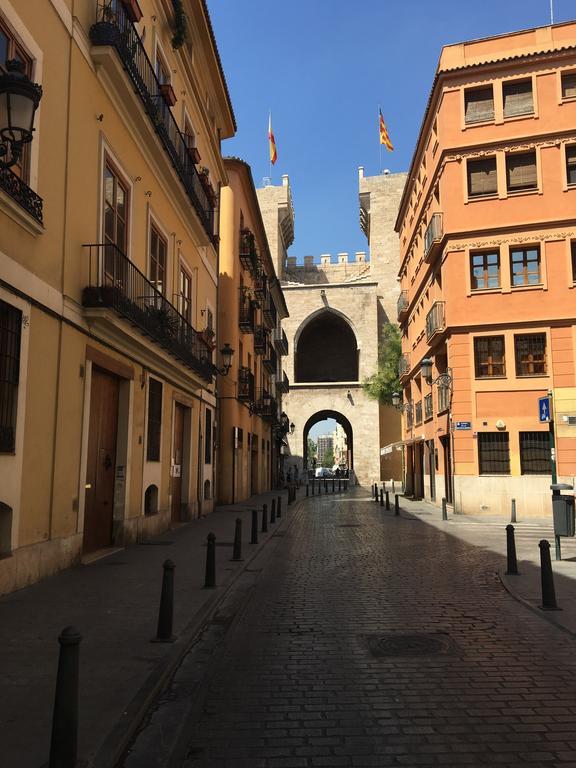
{"type": "Point", "coordinates": [264, 528]}
{"type": "Point", "coordinates": [547, 578]}
{"type": "Point", "coordinates": [513, 511]}
{"type": "Point", "coordinates": [372, 489]}
{"type": "Point", "coordinates": [64, 741]}
{"type": "Point", "coordinates": [166, 612]}
{"type": "Point", "coordinates": [381, 498]}
{"type": "Point", "coordinates": [333, 481]}
{"type": "Point", "coordinates": [558, 548]}
{"type": "Point", "coordinates": [387, 500]}
{"type": "Point", "coordinates": [375, 493]}
{"type": "Point", "coordinates": [512, 563]}
{"type": "Point", "coordinates": [396, 504]}
{"type": "Point", "coordinates": [254, 532]}
{"type": "Point", "coordinates": [307, 490]}
{"type": "Point", "coordinates": [444, 509]}
{"type": "Point", "coordinates": [237, 551]}
{"type": "Point", "coordinates": [393, 487]}
{"type": "Point", "coordinates": [279, 507]}
{"type": "Point", "coordinates": [313, 485]}
{"type": "Point", "coordinates": [210, 577]}
{"type": "Point", "coordinates": [273, 511]}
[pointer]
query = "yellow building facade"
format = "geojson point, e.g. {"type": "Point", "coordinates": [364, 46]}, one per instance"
{"type": "Point", "coordinates": [251, 309]}
{"type": "Point", "coordinates": [108, 280]}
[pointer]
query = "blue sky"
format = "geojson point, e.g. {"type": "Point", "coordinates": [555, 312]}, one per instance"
{"type": "Point", "coordinates": [323, 67]}
{"type": "Point", "coordinates": [325, 427]}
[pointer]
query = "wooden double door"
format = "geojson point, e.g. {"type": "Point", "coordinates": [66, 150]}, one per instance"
{"type": "Point", "coordinates": [101, 463]}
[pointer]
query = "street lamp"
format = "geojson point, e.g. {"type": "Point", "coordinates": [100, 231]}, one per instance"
{"type": "Point", "coordinates": [292, 427]}
{"type": "Point", "coordinates": [442, 380]}
{"type": "Point", "coordinates": [19, 100]}
{"type": "Point", "coordinates": [397, 403]}
{"type": "Point", "coordinates": [226, 354]}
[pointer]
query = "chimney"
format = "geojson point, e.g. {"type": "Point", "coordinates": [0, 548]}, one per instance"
{"type": "Point", "coordinates": [360, 172]}
{"type": "Point", "coordinates": [291, 262]}
{"type": "Point", "coordinates": [308, 262]}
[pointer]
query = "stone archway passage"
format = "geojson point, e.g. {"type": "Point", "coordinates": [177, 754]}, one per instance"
{"type": "Point", "coordinates": [327, 350]}
{"type": "Point", "coordinates": [344, 423]}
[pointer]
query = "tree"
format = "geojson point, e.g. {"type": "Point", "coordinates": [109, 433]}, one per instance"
{"type": "Point", "coordinates": [385, 381]}
{"type": "Point", "coordinates": [312, 451]}
{"type": "Point", "coordinates": [329, 458]}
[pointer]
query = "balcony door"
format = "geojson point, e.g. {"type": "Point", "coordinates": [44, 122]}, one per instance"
{"type": "Point", "coordinates": [116, 199]}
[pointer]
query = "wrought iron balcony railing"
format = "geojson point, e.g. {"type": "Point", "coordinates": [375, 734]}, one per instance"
{"type": "Point", "coordinates": [248, 252]}
{"type": "Point", "coordinates": [270, 362]}
{"type": "Point", "coordinates": [245, 390]}
{"type": "Point", "coordinates": [114, 28]}
{"type": "Point", "coordinates": [433, 235]}
{"type": "Point", "coordinates": [21, 193]}
{"type": "Point", "coordinates": [117, 283]}
{"type": "Point", "coordinates": [261, 287]}
{"type": "Point", "coordinates": [280, 341]}
{"type": "Point", "coordinates": [428, 407]}
{"type": "Point", "coordinates": [443, 398]}
{"type": "Point", "coordinates": [269, 312]}
{"type": "Point", "coordinates": [283, 384]}
{"type": "Point", "coordinates": [402, 304]}
{"type": "Point", "coordinates": [418, 412]}
{"type": "Point", "coordinates": [247, 316]}
{"type": "Point", "coordinates": [403, 365]}
{"type": "Point", "coordinates": [260, 340]}
{"type": "Point", "coordinates": [265, 405]}
{"type": "Point", "coordinates": [435, 320]}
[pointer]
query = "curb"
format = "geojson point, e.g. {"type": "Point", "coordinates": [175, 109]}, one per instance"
{"type": "Point", "coordinates": [118, 739]}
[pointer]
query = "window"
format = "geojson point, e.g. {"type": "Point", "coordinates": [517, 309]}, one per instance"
{"type": "Point", "coordinates": [10, 327]}
{"type": "Point", "coordinates": [482, 177]}
{"type": "Point", "coordinates": [162, 69]}
{"type": "Point", "coordinates": [116, 200]}
{"type": "Point", "coordinates": [521, 171]}
{"type": "Point", "coordinates": [185, 298]}
{"type": "Point", "coordinates": [158, 250]}
{"type": "Point", "coordinates": [489, 357]}
{"type": "Point", "coordinates": [518, 98]}
{"type": "Point", "coordinates": [478, 105]}
{"type": "Point", "coordinates": [573, 255]}
{"type": "Point", "coordinates": [494, 453]}
{"type": "Point", "coordinates": [535, 453]}
{"type": "Point", "coordinates": [571, 164]}
{"type": "Point", "coordinates": [428, 407]}
{"type": "Point", "coordinates": [11, 49]}
{"type": "Point", "coordinates": [530, 352]}
{"type": "Point", "coordinates": [485, 270]}
{"type": "Point", "coordinates": [154, 420]}
{"type": "Point", "coordinates": [208, 438]}
{"type": "Point", "coordinates": [525, 266]}
{"type": "Point", "coordinates": [418, 412]}
{"type": "Point", "coordinates": [569, 85]}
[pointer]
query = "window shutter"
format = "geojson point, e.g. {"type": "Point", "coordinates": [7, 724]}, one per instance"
{"type": "Point", "coordinates": [518, 98]}
{"type": "Point", "coordinates": [482, 177]}
{"type": "Point", "coordinates": [571, 164]}
{"type": "Point", "coordinates": [522, 171]}
{"type": "Point", "coordinates": [479, 105]}
{"type": "Point", "coordinates": [569, 86]}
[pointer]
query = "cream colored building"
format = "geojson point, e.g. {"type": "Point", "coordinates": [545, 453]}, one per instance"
{"type": "Point", "coordinates": [108, 281]}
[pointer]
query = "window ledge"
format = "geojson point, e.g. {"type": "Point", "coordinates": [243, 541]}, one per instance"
{"type": "Point", "coordinates": [521, 192]}
{"type": "Point", "coordinates": [15, 211]}
{"type": "Point", "coordinates": [532, 375]}
{"type": "Point", "coordinates": [477, 198]}
{"type": "Point", "coordinates": [474, 123]}
{"type": "Point", "coordinates": [523, 116]}
{"type": "Point", "coordinates": [538, 287]}
{"type": "Point", "coordinates": [476, 291]}
{"type": "Point", "coordinates": [490, 378]}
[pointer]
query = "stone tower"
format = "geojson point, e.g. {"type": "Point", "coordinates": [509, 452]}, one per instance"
{"type": "Point", "coordinates": [337, 308]}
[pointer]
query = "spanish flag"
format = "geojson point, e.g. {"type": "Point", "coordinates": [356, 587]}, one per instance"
{"type": "Point", "coordinates": [384, 137]}
{"type": "Point", "coordinates": [271, 141]}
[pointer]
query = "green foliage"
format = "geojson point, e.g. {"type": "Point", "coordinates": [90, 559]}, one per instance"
{"type": "Point", "coordinates": [329, 458]}
{"type": "Point", "coordinates": [385, 381]}
{"type": "Point", "coordinates": [180, 28]}
{"type": "Point", "coordinates": [312, 449]}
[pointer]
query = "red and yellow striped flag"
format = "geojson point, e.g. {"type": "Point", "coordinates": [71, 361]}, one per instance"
{"type": "Point", "coordinates": [271, 141]}
{"type": "Point", "coordinates": [384, 137]}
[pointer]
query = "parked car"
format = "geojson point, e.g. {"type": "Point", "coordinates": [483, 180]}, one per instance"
{"type": "Point", "coordinates": [324, 472]}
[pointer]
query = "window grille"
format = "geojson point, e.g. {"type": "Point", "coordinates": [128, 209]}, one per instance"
{"type": "Point", "coordinates": [530, 351]}
{"type": "Point", "coordinates": [489, 356]}
{"type": "Point", "coordinates": [485, 270]}
{"type": "Point", "coordinates": [535, 453]}
{"type": "Point", "coordinates": [418, 412]}
{"type": "Point", "coordinates": [569, 85]}
{"type": "Point", "coordinates": [479, 105]}
{"type": "Point", "coordinates": [10, 329]}
{"type": "Point", "coordinates": [428, 407]}
{"type": "Point", "coordinates": [521, 171]}
{"type": "Point", "coordinates": [518, 98]}
{"type": "Point", "coordinates": [571, 164]}
{"type": "Point", "coordinates": [208, 438]}
{"type": "Point", "coordinates": [482, 179]}
{"type": "Point", "coordinates": [154, 420]}
{"type": "Point", "coordinates": [443, 398]}
{"type": "Point", "coordinates": [525, 266]}
{"type": "Point", "coordinates": [494, 453]}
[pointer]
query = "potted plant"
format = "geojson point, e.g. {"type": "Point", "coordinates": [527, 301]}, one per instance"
{"type": "Point", "coordinates": [132, 10]}
{"type": "Point", "coordinates": [167, 93]}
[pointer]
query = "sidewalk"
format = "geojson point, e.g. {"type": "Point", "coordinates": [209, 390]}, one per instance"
{"type": "Point", "coordinates": [490, 532]}
{"type": "Point", "coordinates": [113, 602]}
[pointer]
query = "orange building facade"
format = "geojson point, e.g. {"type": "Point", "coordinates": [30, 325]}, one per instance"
{"type": "Point", "coordinates": [487, 227]}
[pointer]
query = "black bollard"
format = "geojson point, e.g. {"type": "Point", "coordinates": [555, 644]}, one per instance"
{"type": "Point", "coordinates": [376, 492]}
{"type": "Point", "coordinates": [254, 532]}
{"type": "Point", "coordinates": [333, 481]}
{"type": "Point", "coordinates": [237, 551]}
{"type": "Point", "coordinates": [273, 511]}
{"type": "Point", "coordinates": [210, 577]}
{"type": "Point", "coordinates": [64, 741]}
{"type": "Point", "coordinates": [393, 487]}
{"type": "Point", "coordinates": [512, 563]}
{"type": "Point", "coordinates": [387, 500]}
{"type": "Point", "coordinates": [313, 486]}
{"type": "Point", "coordinates": [381, 497]}
{"type": "Point", "coordinates": [513, 511]}
{"type": "Point", "coordinates": [548, 592]}
{"type": "Point", "coordinates": [396, 504]}
{"type": "Point", "coordinates": [166, 612]}
{"type": "Point", "coordinates": [444, 510]}
{"type": "Point", "coordinates": [264, 528]}
{"type": "Point", "coordinates": [372, 489]}
{"type": "Point", "coordinates": [279, 507]}
{"type": "Point", "coordinates": [307, 489]}
{"type": "Point", "coordinates": [339, 486]}
{"type": "Point", "coordinates": [384, 487]}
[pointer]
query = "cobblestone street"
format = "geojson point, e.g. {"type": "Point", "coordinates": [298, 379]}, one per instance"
{"type": "Point", "coordinates": [311, 675]}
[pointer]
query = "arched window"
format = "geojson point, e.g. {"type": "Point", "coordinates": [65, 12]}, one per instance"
{"type": "Point", "coordinates": [327, 350]}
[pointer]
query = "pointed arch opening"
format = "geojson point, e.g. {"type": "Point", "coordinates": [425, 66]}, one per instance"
{"type": "Point", "coordinates": [326, 350]}
{"type": "Point", "coordinates": [344, 454]}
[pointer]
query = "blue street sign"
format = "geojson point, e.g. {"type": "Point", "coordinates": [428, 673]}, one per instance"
{"type": "Point", "coordinates": [463, 425]}
{"type": "Point", "coordinates": [544, 409]}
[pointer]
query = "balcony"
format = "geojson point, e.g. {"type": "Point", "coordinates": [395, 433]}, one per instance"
{"type": "Point", "coordinates": [265, 405]}
{"type": "Point", "coordinates": [247, 315]}
{"type": "Point", "coordinates": [402, 304]}
{"type": "Point", "coordinates": [418, 412]}
{"type": "Point", "coordinates": [21, 193]}
{"type": "Point", "coordinates": [269, 312]}
{"type": "Point", "coordinates": [115, 29]}
{"type": "Point", "coordinates": [260, 287]}
{"type": "Point", "coordinates": [116, 283]}
{"type": "Point", "coordinates": [443, 398]}
{"type": "Point", "coordinates": [280, 341]}
{"type": "Point", "coordinates": [403, 365]}
{"type": "Point", "coordinates": [248, 253]}
{"type": "Point", "coordinates": [433, 236]}
{"type": "Point", "coordinates": [428, 407]}
{"type": "Point", "coordinates": [435, 322]}
{"type": "Point", "coordinates": [245, 386]}
{"type": "Point", "coordinates": [283, 384]}
{"type": "Point", "coordinates": [260, 340]}
{"type": "Point", "coordinates": [270, 362]}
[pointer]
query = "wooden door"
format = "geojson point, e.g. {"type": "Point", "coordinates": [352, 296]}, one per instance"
{"type": "Point", "coordinates": [101, 466]}
{"type": "Point", "coordinates": [177, 459]}
{"type": "Point", "coordinates": [445, 441]}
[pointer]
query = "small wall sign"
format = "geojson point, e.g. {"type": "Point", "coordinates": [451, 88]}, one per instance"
{"type": "Point", "coordinates": [463, 425]}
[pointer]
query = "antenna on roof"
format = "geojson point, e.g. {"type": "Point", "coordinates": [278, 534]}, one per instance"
{"type": "Point", "coordinates": [551, 11]}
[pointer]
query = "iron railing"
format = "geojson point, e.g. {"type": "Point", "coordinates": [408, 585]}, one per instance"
{"type": "Point", "coordinates": [21, 193]}
{"type": "Point", "coordinates": [114, 28]}
{"type": "Point", "coordinates": [248, 252]}
{"type": "Point", "coordinates": [265, 405]}
{"type": "Point", "coordinates": [260, 286]}
{"type": "Point", "coordinates": [280, 341]}
{"type": "Point", "coordinates": [283, 384]}
{"type": "Point", "coordinates": [418, 412]}
{"type": "Point", "coordinates": [443, 398]}
{"type": "Point", "coordinates": [402, 303]}
{"type": "Point", "coordinates": [403, 365]}
{"type": "Point", "coordinates": [260, 340]}
{"type": "Point", "coordinates": [428, 407]}
{"type": "Point", "coordinates": [247, 316]}
{"type": "Point", "coordinates": [434, 233]}
{"type": "Point", "coordinates": [270, 362]}
{"type": "Point", "coordinates": [115, 282]}
{"type": "Point", "coordinates": [245, 389]}
{"type": "Point", "coordinates": [269, 311]}
{"type": "Point", "coordinates": [435, 321]}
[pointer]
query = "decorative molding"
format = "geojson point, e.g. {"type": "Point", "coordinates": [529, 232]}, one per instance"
{"type": "Point", "coordinates": [486, 151]}
{"type": "Point", "coordinates": [450, 247]}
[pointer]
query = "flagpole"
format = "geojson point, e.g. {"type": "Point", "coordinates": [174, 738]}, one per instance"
{"type": "Point", "coordinates": [551, 11]}
{"type": "Point", "coordinates": [379, 142]}
{"type": "Point", "coordinates": [269, 126]}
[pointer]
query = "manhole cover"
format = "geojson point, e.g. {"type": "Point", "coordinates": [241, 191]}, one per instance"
{"type": "Point", "coordinates": [409, 645]}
